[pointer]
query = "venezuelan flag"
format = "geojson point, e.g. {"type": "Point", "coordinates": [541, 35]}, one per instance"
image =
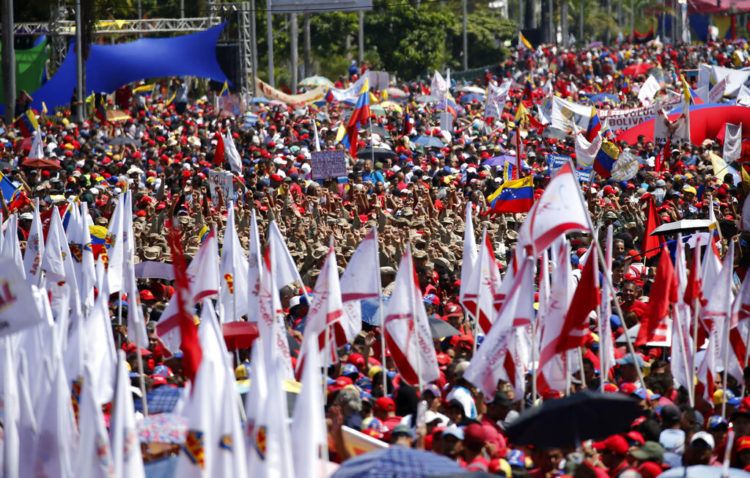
{"type": "Point", "coordinates": [605, 159]}
{"type": "Point", "coordinates": [203, 233]}
{"type": "Point", "coordinates": [359, 117]}
{"type": "Point", "coordinates": [27, 123]}
{"type": "Point", "coordinates": [595, 125]}
{"type": "Point", "coordinates": [513, 196]}
{"type": "Point", "coordinates": [8, 188]}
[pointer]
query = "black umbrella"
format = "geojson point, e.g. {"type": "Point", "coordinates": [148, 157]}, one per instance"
{"type": "Point", "coordinates": [568, 421]}
{"type": "Point", "coordinates": [441, 329]}
{"type": "Point", "coordinates": [378, 153]}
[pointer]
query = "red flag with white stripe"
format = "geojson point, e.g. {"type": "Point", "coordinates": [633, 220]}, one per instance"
{"type": "Point", "coordinates": [482, 292]}
{"type": "Point", "coordinates": [360, 281]}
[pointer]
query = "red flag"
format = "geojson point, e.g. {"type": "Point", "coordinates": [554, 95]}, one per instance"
{"type": "Point", "coordinates": [190, 345]}
{"type": "Point", "coordinates": [663, 294]}
{"type": "Point", "coordinates": [586, 298]}
{"type": "Point", "coordinates": [219, 153]}
{"type": "Point", "coordinates": [651, 243]}
{"type": "Point", "coordinates": [662, 157]}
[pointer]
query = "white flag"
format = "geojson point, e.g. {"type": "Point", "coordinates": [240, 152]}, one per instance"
{"type": "Point", "coordinates": [254, 403]}
{"type": "Point", "coordinates": [470, 254]}
{"type": "Point", "coordinates": [17, 307]}
{"type": "Point", "coordinates": [732, 142]}
{"type": "Point", "coordinates": [407, 330]}
{"type": "Point", "coordinates": [282, 263]}
{"type": "Point", "coordinates": [648, 90]}
{"type": "Point", "coordinates": [234, 273]}
{"type": "Point", "coordinates": [116, 252]}
{"type": "Point", "coordinates": [271, 326]}
{"type": "Point", "coordinates": [231, 153]}
{"type": "Point", "coordinates": [360, 281]}
{"type": "Point", "coordinates": [94, 458]}
{"type": "Point", "coordinates": [11, 413]}
{"type": "Point", "coordinates": [490, 364]}
{"type": "Point", "coordinates": [11, 248]}
{"type": "Point", "coordinates": [99, 354]}
{"type": "Point", "coordinates": [55, 453]}
{"type": "Point", "coordinates": [717, 92]}
{"type": "Point", "coordinates": [308, 420]}
{"type": "Point", "coordinates": [586, 151]}
{"type": "Point", "coordinates": [126, 450]}
{"type": "Point", "coordinates": [559, 210]}
{"type": "Point", "coordinates": [254, 270]}
{"type": "Point", "coordinates": [323, 325]}
{"type": "Point", "coordinates": [32, 258]}
{"type": "Point", "coordinates": [37, 146]}
{"type": "Point", "coordinates": [482, 296]}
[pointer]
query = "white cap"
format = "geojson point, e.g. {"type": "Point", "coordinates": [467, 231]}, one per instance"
{"type": "Point", "coordinates": [705, 437]}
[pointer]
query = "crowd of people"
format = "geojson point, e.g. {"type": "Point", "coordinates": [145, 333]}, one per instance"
{"type": "Point", "coordinates": [416, 196]}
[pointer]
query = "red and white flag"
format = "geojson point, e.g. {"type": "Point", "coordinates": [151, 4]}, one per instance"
{"type": "Point", "coordinates": [552, 367]}
{"type": "Point", "coordinates": [606, 342]}
{"type": "Point", "coordinates": [559, 210]}
{"type": "Point", "coordinates": [189, 343]}
{"type": "Point", "coordinates": [716, 314]}
{"type": "Point", "coordinates": [360, 281]}
{"type": "Point", "coordinates": [407, 330]}
{"type": "Point", "coordinates": [586, 299]}
{"type": "Point", "coordinates": [470, 255]}
{"type": "Point", "coordinates": [682, 364]}
{"type": "Point", "coordinates": [231, 154]}
{"type": "Point", "coordinates": [482, 294]}
{"type": "Point", "coordinates": [502, 355]}
{"type": "Point", "coordinates": [234, 273]}
{"type": "Point", "coordinates": [271, 326]}
{"type": "Point", "coordinates": [662, 296]}
{"type": "Point", "coordinates": [324, 320]}
{"type": "Point", "coordinates": [203, 282]}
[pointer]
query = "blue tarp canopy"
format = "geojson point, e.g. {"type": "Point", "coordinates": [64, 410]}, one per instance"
{"type": "Point", "coordinates": [111, 66]}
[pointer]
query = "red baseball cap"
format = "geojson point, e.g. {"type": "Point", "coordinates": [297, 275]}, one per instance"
{"type": "Point", "coordinates": [386, 404]}
{"type": "Point", "coordinates": [616, 444]}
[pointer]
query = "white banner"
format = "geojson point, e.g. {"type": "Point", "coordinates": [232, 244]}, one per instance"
{"type": "Point", "coordinates": [628, 118]}
{"type": "Point", "coordinates": [732, 142]}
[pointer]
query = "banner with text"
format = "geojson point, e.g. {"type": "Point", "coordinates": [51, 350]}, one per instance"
{"type": "Point", "coordinates": [328, 164]}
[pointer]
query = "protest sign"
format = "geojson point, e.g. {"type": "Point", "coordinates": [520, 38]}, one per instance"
{"type": "Point", "coordinates": [620, 119]}
{"type": "Point", "coordinates": [328, 164]}
{"type": "Point", "coordinates": [556, 161]}
{"type": "Point", "coordinates": [220, 180]}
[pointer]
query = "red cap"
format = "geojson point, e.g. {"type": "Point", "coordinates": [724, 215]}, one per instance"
{"type": "Point", "coordinates": [616, 444]}
{"type": "Point", "coordinates": [147, 295]}
{"type": "Point", "coordinates": [386, 404]}
{"type": "Point", "coordinates": [474, 433]}
{"type": "Point", "coordinates": [356, 359]}
{"type": "Point", "coordinates": [743, 443]}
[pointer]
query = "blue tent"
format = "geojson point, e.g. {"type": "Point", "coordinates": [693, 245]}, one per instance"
{"type": "Point", "coordinates": [111, 66]}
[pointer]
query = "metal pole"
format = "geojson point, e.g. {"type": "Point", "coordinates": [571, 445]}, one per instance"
{"type": "Point", "coordinates": [253, 45]}
{"type": "Point", "coordinates": [295, 50]}
{"type": "Point", "coordinates": [519, 13]}
{"type": "Point", "coordinates": [466, 35]}
{"type": "Point", "coordinates": [269, 40]}
{"type": "Point", "coordinates": [307, 45]}
{"type": "Point", "coordinates": [80, 86]}
{"type": "Point", "coordinates": [182, 8]}
{"type": "Point", "coordinates": [580, 22]}
{"type": "Point", "coordinates": [9, 61]}
{"type": "Point", "coordinates": [361, 36]}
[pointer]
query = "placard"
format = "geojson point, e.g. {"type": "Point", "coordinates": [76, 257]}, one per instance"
{"type": "Point", "coordinates": [222, 180]}
{"type": "Point", "coordinates": [328, 164]}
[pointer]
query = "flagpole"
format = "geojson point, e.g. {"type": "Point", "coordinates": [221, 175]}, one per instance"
{"type": "Point", "coordinates": [479, 289]}
{"type": "Point", "coordinates": [416, 329]}
{"type": "Point", "coordinates": [144, 401]}
{"type": "Point", "coordinates": [696, 314]}
{"type": "Point", "coordinates": [580, 364]}
{"type": "Point", "coordinates": [381, 314]}
{"type": "Point", "coordinates": [681, 337]}
{"type": "Point", "coordinates": [727, 331]}
{"type": "Point", "coordinates": [744, 364]}
{"type": "Point", "coordinates": [608, 280]}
